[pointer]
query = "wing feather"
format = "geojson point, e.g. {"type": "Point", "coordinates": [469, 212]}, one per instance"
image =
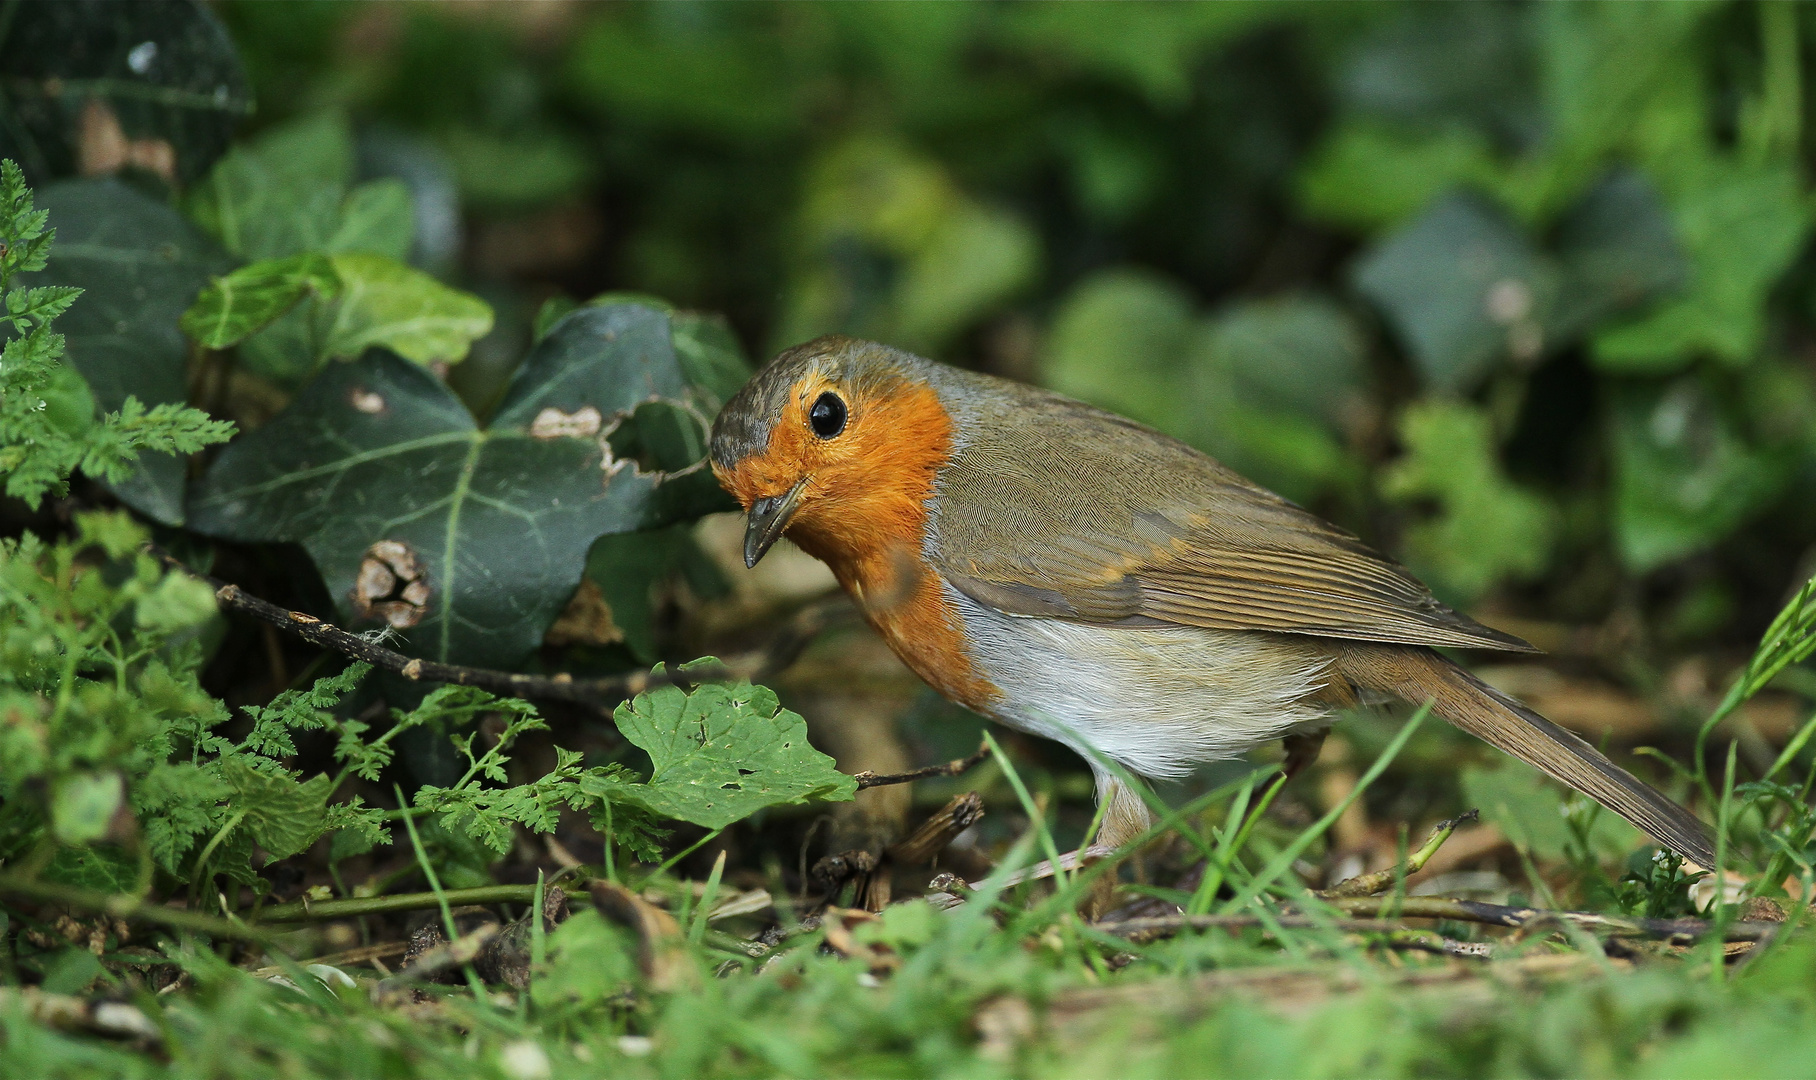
{"type": "Point", "coordinates": [1117, 523]}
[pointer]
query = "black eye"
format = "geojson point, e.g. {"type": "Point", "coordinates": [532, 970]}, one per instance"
{"type": "Point", "coordinates": [827, 415]}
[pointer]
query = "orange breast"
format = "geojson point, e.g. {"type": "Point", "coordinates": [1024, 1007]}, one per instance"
{"type": "Point", "coordinates": [901, 596]}
{"type": "Point", "coordinates": [864, 515]}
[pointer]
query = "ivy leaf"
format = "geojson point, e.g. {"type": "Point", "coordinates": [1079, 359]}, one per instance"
{"type": "Point", "coordinates": [379, 217]}
{"type": "Point", "coordinates": [159, 84]}
{"type": "Point", "coordinates": [386, 303]}
{"type": "Point", "coordinates": [279, 194]}
{"type": "Point", "coordinates": [1463, 286]}
{"type": "Point", "coordinates": [469, 540]}
{"type": "Point", "coordinates": [282, 815]}
{"type": "Point", "coordinates": [1741, 226]}
{"type": "Point", "coordinates": [722, 752]}
{"type": "Point", "coordinates": [234, 306]}
{"type": "Point", "coordinates": [139, 265]}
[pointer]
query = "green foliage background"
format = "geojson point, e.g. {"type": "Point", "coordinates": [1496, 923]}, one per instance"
{"type": "Point", "coordinates": [1521, 293]}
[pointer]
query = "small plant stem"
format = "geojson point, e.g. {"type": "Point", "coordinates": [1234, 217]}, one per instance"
{"type": "Point", "coordinates": [331, 910]}
{"type": "Point", "coordinates": [1718, 907]}
{"type": "Point", "coordinates": [441, 898]}
{"type": "Point", "coordinates": [677, 857]}
{"type": "Point", "coordinates": [130, 908]}
{"type": "Point", "coordinates": [1035, 814]}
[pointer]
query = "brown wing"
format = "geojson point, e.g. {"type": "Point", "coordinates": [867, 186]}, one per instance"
{"type": "Point", "coordinates": [1053, 508]}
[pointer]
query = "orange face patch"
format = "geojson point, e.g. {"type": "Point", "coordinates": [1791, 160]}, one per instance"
{"type": "Point", "coordinates": [863, 513]}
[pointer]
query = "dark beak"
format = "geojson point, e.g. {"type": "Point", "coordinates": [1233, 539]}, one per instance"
{"type": "Point", "coordinates": [768, 519]}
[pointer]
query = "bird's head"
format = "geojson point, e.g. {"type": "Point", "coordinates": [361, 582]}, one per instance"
{"type": "Point", "coordinates": [835, 442]}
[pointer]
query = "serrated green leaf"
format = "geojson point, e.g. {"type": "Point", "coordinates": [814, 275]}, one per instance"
{"type": "Point", "coordinates": [386, 303]}
{"type": "Point", "coordinates": [103, 868]}
{"type": "Point", "coordinates": [282, 815]}
{"type": "Point", "coordinates": [236, 305]}
{"type": "Point", "coordinates": [722, 752]}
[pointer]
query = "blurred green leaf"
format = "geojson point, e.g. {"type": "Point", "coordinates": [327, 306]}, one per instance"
{"type": "Point", "coordinates": [377, 217]}
{"type": "Point", "coordinates": [1741, 226]}
{"type": "Point", "coordinates": [1463, 287]}
{"type": "Point", "coordinates": [494, 524]}
{"type": "Point", "coordinates": [1151, 46]}
{"type": "Point", "coordinates": [976, 257]}
{"type": "Point", "coordinates": [720, 73]}
{"type": "Point", "coordinates": [83, 805]}
{"type": "Point", "coordinates": [893, 250]}
{"type": "Point", "coordinates": [1528, 809]}
{"type": "Point", "coordinates": [1117, 341]}
{"type": "Point", "coordinates": [104, 868]}
{"type": "Point", "coordinates": [1368, 176]}
{"type": "Point", "coordinates": [387, 303]}
{"type": "Point", "coordinates": [281, 193]}
{"type": "Point", "coordinates": [1274, 384]}
{"type": "Point", "coordinates": [722, 752]}
{"type": "Point", "coordinates": [1486, 528]}
{"type": "Point", "coordinates": [1683, 476]}
{"type": "Point", "coordinates": [1618, 250]}
{"type": "Point", "coordinates": [140, 266]}
{"type": "Point", "coordinates": [234, 306]}
{"type": "Point", "coordinates": [523, 169]}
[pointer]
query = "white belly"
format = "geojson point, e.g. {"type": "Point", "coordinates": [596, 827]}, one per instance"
{"type": "Point", "coordinates": [1160, 701]}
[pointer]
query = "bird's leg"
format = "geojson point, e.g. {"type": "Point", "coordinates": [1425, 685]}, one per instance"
{"type": "Point", "coordinates": [1301, 750]}
{"type": "Point", "coordinates": [1125, 819]}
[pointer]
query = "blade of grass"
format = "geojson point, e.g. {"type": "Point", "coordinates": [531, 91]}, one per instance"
{"type": "Point", "coordinates": [1792, 748]}
{"type": "Point", "coordinates": [1283, 862]}
{"type": "Point", "coordinates": [1034, 813]}
{"type": "Point", "coordinates": [441, 898]}
{"type": "Point", "coordinates": [697, 929]}
{"type": "Point", "coordinates": [1790, 639]}
{"type": "Point", "coordinates": [675, 858]}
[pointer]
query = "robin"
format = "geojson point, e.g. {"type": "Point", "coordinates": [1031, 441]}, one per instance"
{"type": "Point", "coordinates": [1075, 575]}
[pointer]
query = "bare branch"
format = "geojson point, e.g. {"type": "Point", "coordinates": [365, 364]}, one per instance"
{"type": "Point", "coordinates": [781, 652]}
{"type": "Point", "coordinates": [868, 779]}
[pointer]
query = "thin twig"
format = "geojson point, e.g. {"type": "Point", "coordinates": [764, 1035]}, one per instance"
{"type": "Point", "coordinates": [868, 779]}
{"type": "Point", "coordinates": [1363, 915]}
{"type": "Point", "coordinates": [926, 842]}
{"type": "Point", "coordinates": [1382, 880]}
{"type": "Point", "coordinates": [782, 651]}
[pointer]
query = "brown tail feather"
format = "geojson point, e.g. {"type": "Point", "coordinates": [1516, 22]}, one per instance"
{"type": "Point", "coordinates": [1416, 674]}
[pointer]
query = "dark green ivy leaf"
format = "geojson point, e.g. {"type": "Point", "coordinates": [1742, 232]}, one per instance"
{"type": "Point", "coordinates": [139, 265]}
{"type": "Point", "coordinates": [166, 75]}
{"type": "Point", "coordinates": [469, 540]}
